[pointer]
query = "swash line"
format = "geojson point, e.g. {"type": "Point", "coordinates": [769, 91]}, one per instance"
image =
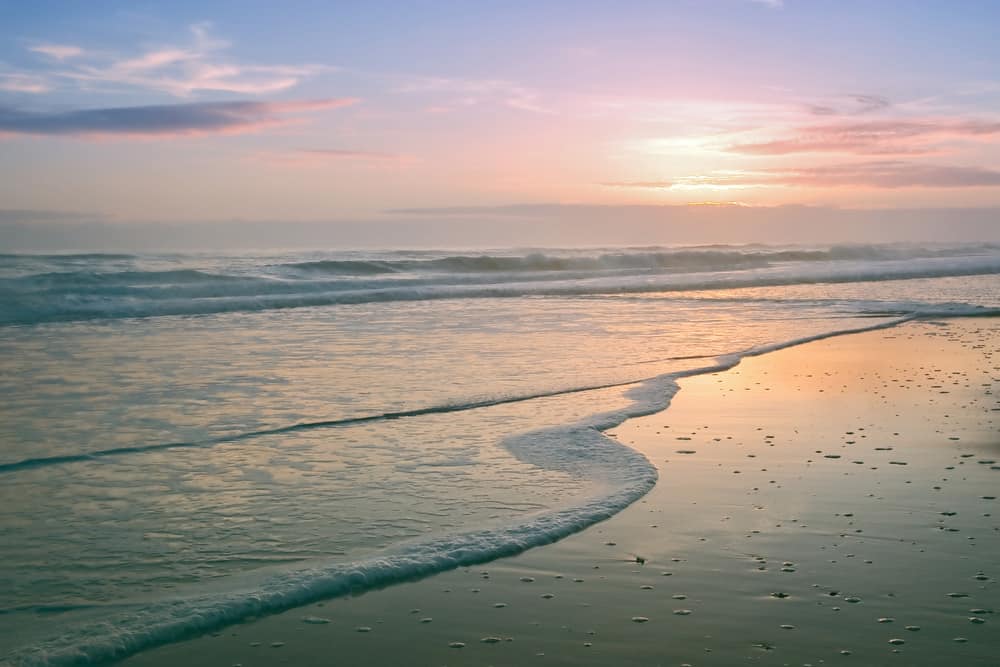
{"type": "Point", "coordinates": [173, 621]}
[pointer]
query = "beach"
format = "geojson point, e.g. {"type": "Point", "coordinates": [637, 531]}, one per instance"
{"type": "Point", "coordinates": [445, 334]}
{"type": "Point", "coordinates": [832, 502]}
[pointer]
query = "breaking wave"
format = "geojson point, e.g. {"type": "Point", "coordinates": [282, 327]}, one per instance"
{"type": "Point", "coordinates": [88, 287]}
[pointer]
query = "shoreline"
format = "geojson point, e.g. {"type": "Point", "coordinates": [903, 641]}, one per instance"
{"type": "Point", "coordinates": [579, 552]}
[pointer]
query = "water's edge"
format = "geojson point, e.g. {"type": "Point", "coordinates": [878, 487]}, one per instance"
{"type": "Point", "coordinates": [572, 448]}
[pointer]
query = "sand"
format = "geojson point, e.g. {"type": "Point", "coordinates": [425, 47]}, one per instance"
{"type": "Point", "coordinates": [832, 503]}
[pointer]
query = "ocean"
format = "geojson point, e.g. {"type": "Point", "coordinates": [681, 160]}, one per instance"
{"type": "Point", "coordinates": [188, 441]}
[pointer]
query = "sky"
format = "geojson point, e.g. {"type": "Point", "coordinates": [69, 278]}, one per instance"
{"type": "Point", "coordinates": [206, 113]}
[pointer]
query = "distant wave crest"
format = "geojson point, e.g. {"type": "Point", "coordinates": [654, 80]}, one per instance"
{"type": "Point", "coordinates": [94, 287]}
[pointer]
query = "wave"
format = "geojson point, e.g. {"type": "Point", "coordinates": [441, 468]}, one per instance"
{"type": "Point", "coordinates": [577, 448]}
{"type": "Point", "coordinates": [79, 296]}
{"type": "Point", "coordinates": [140, 278]}
{"type": "Point", "coordinates": [344, 267]}
{"type": "Point", "coordinates": [708, 258]}
{"type": "Point", "coordinates": [71, 257]}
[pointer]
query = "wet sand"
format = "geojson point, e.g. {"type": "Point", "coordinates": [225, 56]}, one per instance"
{"type": "Point", "coordinates": [832, 503]}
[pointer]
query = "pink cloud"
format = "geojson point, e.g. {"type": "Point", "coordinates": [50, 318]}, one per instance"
{"type": "Point", "coordinates": [58, 51]}
{"type": "Point", "coordinates": [197, 64]}
{"type": "Point", "coordinates": [23, 83]}
{"type": "Point", "coordinates": [877, 137]}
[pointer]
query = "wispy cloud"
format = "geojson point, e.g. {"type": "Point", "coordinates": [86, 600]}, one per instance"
{"type": "Point", "coordinates": [57, 51]}
{"type": "Point", "coordinates": [164, 120]}
{"type": "Point", "coordinates": [194, 65]}
{"type": "Point", "coordinates": [884, 174]}
{"type": "Point", "coordinates": [852, 104]}
{"type": "Point", "coordinates": [645, 185]}
{"type": "Point", "coordinates": [459, 93]}
{"type": "Point", "coordinates": [312, 157]}
{"type": "Point", "coordinates": [23, 83]}
{"type": "Point", "coordinates": [880, 137]}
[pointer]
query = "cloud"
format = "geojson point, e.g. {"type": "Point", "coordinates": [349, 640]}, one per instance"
{"type": "Point", "coordinates": [649, 185]}
{"type": "Point", "coordinates": [885, 174]}
{"type": "Point", "coordinates": [473, 92]}
{"type": "Point", "coordinates": [879, 137]}
{"type": "Point", "coordinates": [164, 120]}
{"type": "Point", "coordinates": [176, 69]}
{"type": "Point", "coordinates": [852, 104]}
{"type": "Point", "coordinates": [57, 51]}
{"type": "Point", "coordinates": [23, 83]}
{"type": "Point", "coordinates": [888, 174]}
{"type": "Point", "coordinates": [321, 156]}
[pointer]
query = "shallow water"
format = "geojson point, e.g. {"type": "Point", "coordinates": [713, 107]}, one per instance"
{"type": "Point", "coordinates": [152, 463]}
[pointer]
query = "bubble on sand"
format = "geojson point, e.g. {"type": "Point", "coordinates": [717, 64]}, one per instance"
{"type": "Point", "coordinates": [682, 612]}
{"type": "Point", "coordinates": [646, 587]}
{"type": "Point", "coordinates": [456, 645]}
{"type": "Point", "coordinates": [787, 626]}
{"type": "Point", "coordinates": [315, 620]}
{"type": "Point", "coordinates": [639, 619]}
{"type": "Point", "coordinates": [897, 642]}
{"type": "Point", "coordinates": [363, 628]}
{"type": "Point", "coordinates": [500, 605]}
{"type": "Point", "coordinates": [491, 640]}
{"type": "Point", "coordinates": [977, 620]}
{"type": "Point", "coordinates": [277, 644]}
{"type": "Point", "coordinates": [886, 619]}
{"type": "Point", "coordinates": [679, 596]}
{"type": "Point", "coordinates": [426, 619]}
{"type": "Point", "coordinates": [527, 580]}
{"type": "Point", "coordinates": [913, 628]}
{"type": "Point", "coordinates": [779, 595]}
{"type": "Point", "coordinates": [852, 600]}
{"type": "Point", "coordinates": [548, 596]}
{"type": "Point", "coordinates": [960, 640]}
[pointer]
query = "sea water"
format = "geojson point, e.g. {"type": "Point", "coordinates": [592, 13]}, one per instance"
{"type": "Point", "coordinates": [187, 441]}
